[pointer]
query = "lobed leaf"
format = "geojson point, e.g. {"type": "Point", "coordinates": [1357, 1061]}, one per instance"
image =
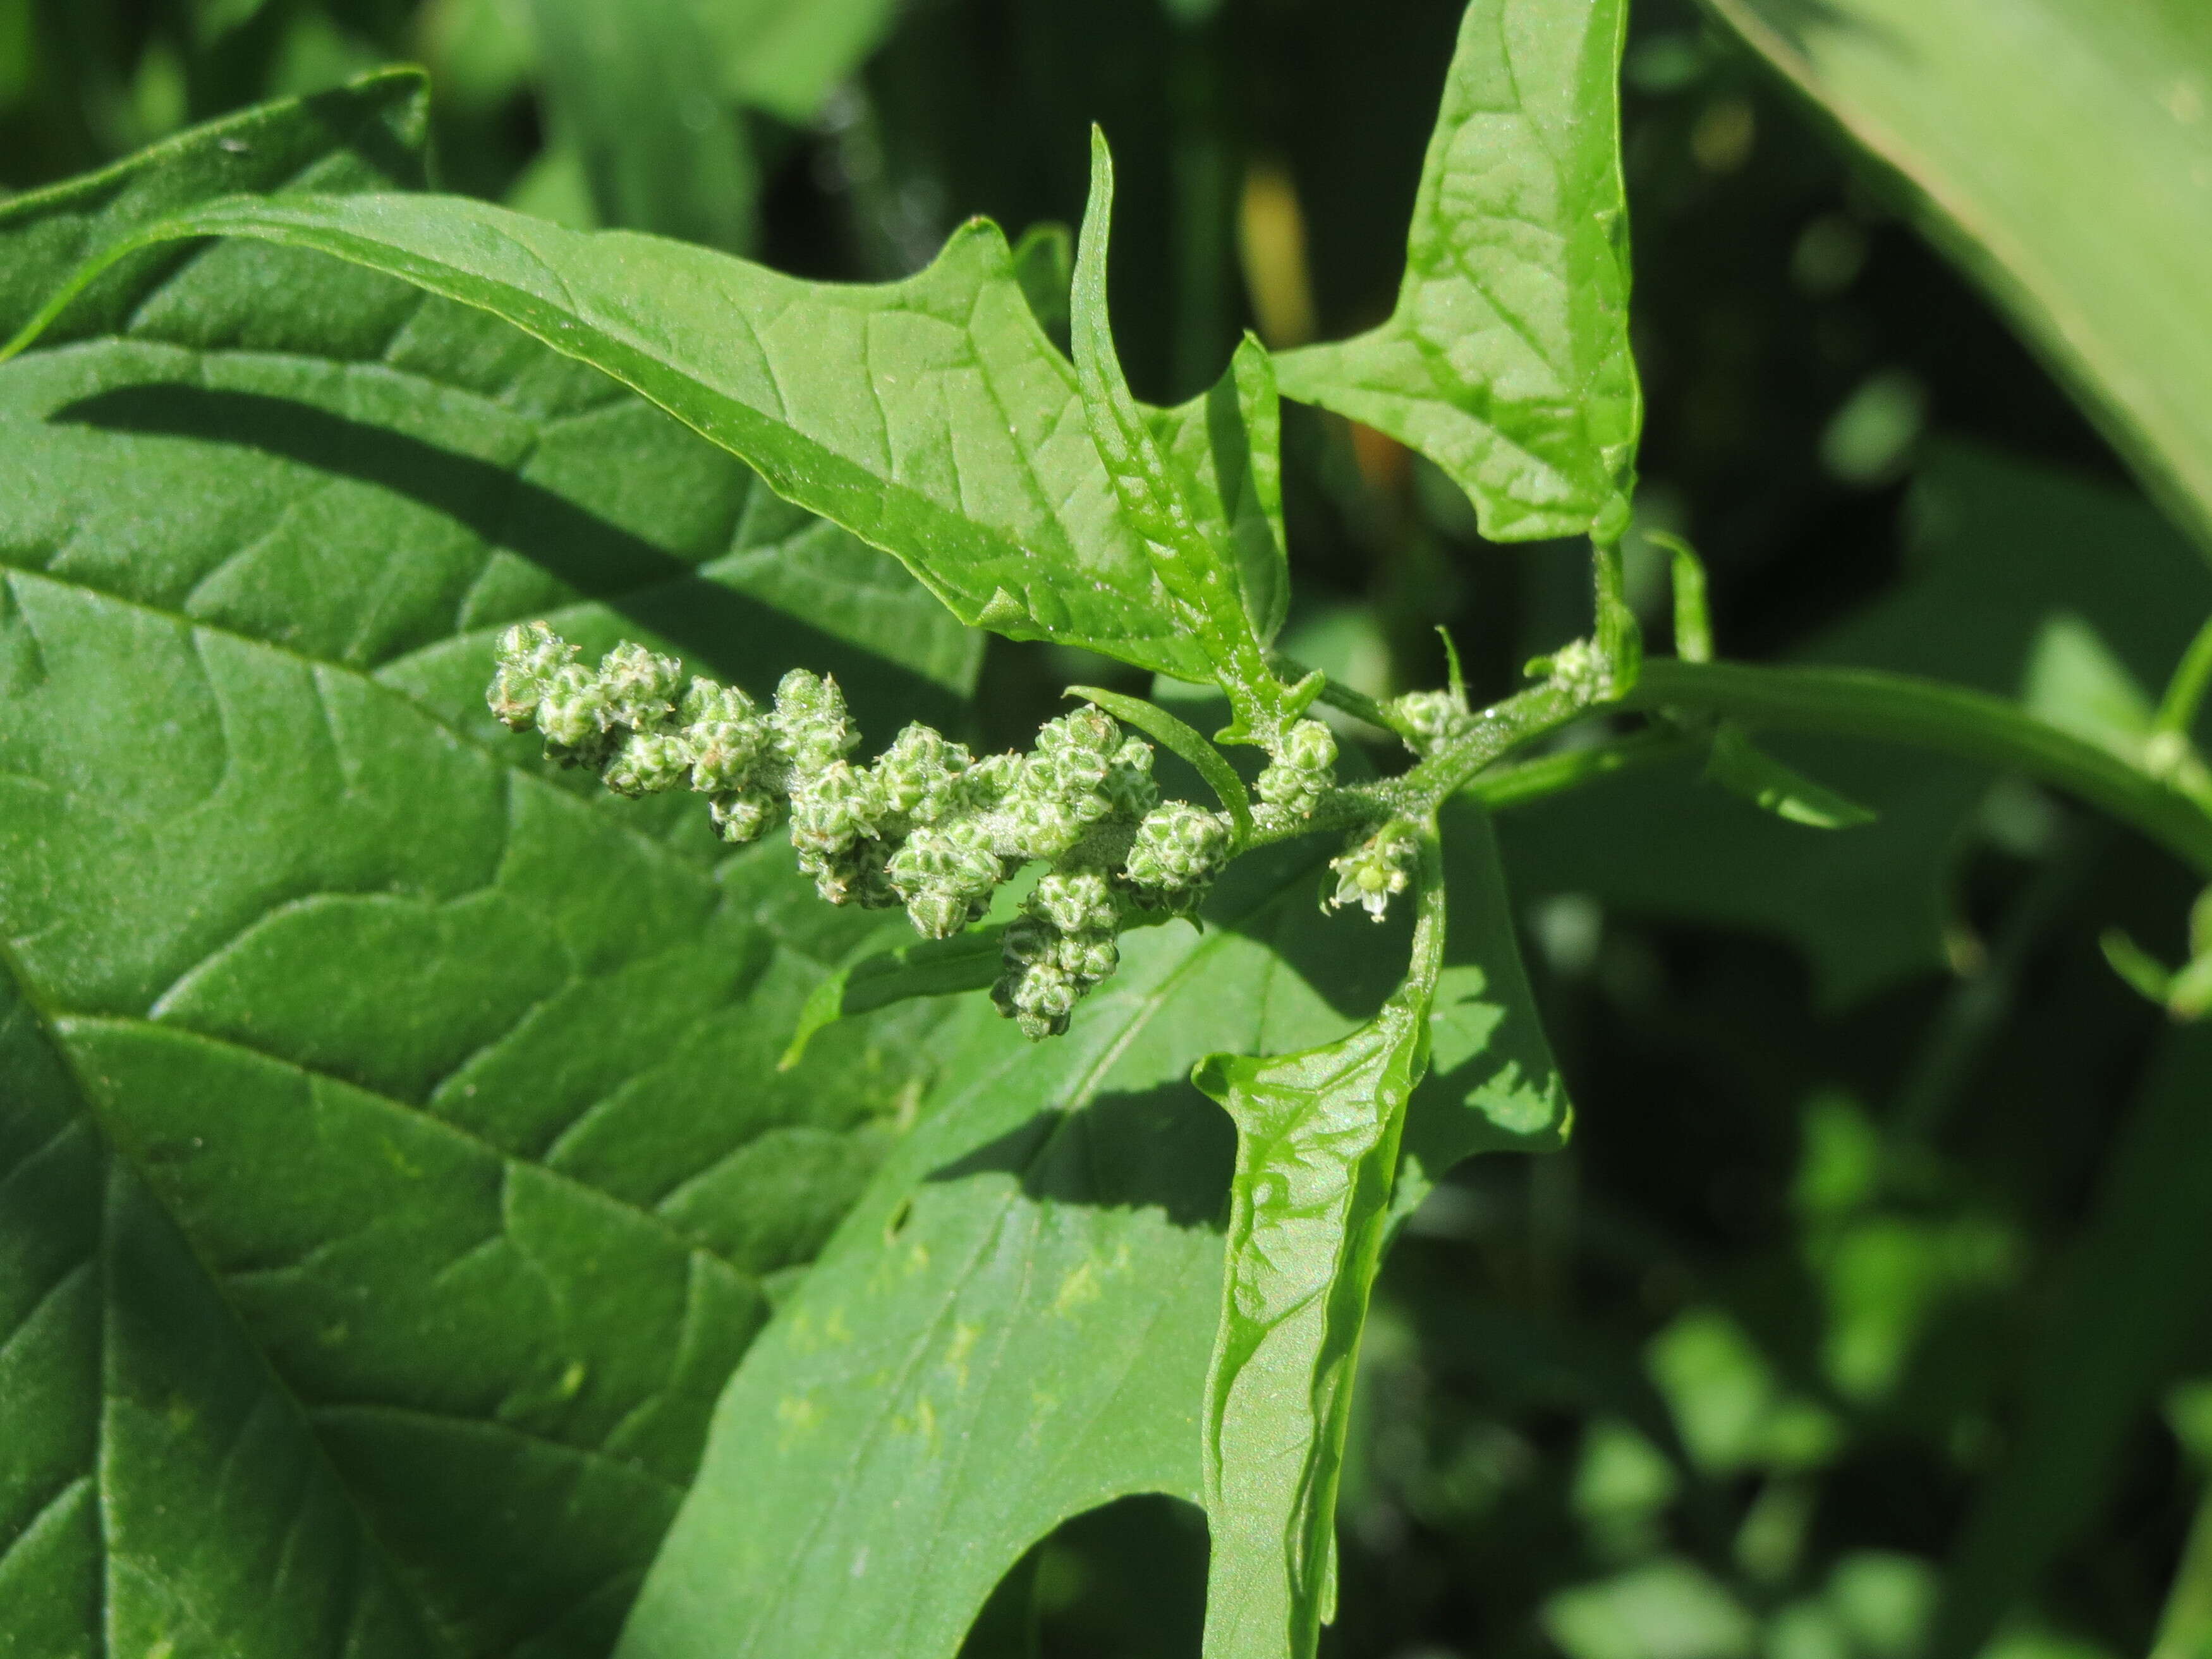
{"type": "Point", "coordinates": [387, 1030]}
{"type": "Point", "coordinates": [2096, 251]}
{"type": "Point", "coordinates": [1012, 1326]}
{"type": "Point", "coordinates": [1317, 1140]}
{"type": "Point", "coordinates": [931, 417]}
{"type": "Point", "coordinates": [1506, 360]}
{"type": "Point", "coordinates": [1189, 547]}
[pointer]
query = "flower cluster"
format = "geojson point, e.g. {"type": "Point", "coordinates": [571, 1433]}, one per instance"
{"type": "Point", "coordinates": [1368, 871]}
{"type": "Point", "coordinates": [1302, 770]}
{"type": "Point", "coordinates": [928, 826]}
{"type": "Point", "coordinates": [1434, 718]}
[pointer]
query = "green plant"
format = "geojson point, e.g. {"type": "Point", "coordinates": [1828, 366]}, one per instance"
{"type": "Point", "coordinates": [318, 981]}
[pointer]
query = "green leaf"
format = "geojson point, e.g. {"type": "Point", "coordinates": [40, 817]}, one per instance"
{"type": "Point", "coordinates": [2128, 1308]}
{"type": "Point", "coordinates": [930, 416]}
{"type": "Point", "coordinates": [366, 135]}
{"type": "Point", "coordinates": [634, 91]}
{"type": "Point", "coordinates": [159, 1490]}
{"type": "Point", "coordinates": [1506, 362]}
{"type": "Point", "coordinates": [1739, 767]}
{"type": "Point", "coordinates": [1180, 739]}
{"type": "Point", "coordinates": [913, 968]}
{"type": "Point", "coordinates": [406, 1033]}
{"type": "Point", "coordinates": [2096, 251]}
{"type": "Point", "coordinates": [1014, 1325]}
{"type": "Point", "coordinates": [1318, 1137]}
{"type": "Point", "coordinates": [1187, 538]}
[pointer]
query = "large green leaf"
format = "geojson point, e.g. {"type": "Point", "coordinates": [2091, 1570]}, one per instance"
{"type": "Point", "coordinates": [930, 416]}
{"type": "Point", "coordinates": [1014, 1325]}
{"type": "Point", "coordinates": [1506, 360]}
{"type": "Point", "coordinates": [159, 1492]}
{"type": "Point", "coordinates": [457, 1079]}
{"type": "Point", "coordinates": [1998, 597]}
{"type": "Point", "coordinates": [2096, 250]}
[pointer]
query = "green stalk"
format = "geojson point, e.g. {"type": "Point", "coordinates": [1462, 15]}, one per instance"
{"type": "Point", "coordinates": [1517, 786]}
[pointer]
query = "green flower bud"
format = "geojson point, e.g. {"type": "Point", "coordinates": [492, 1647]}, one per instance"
{"type": "Point", "coordinates": [574, 716]}
{"type": "Point", "coordinates": [1129, 789]}
{"type": "Point", "coordinates": [1368, 873]}
{"type": "Point", "coordinates": [1303, 770]}
{"type": "Point", "coordinates": [851, 875]}
{"type": "Point", "coordinates": [728, 736]}
{"type": "Point", "coordinates": [1578, 667]}
{"type": "Point", "coordinates": [945, 875]}
{"type": "Point", "coordinates": [1075, 902]}
{"type": "Point", "coordinates": [1177, 845]}
{"type": "Point", "coordinates": [1091, 957]}
{"type": "Point", "coordinates": [745, 815]}
{"type": "Point", "coordinates": [646, 764]}
{"type": "Point", "coordinates": [640, 686]}
{"type": "Point", "coordinates": [1040, 826]}
{"type": "Point", "coordinates": [809, 724]}
{"type": "Point", "coordinates": [1074, 754]}
{"type": "Point", "coordinates": [920, 774]}
{"type": "Point", "coordinates": [833, 808]}
{"type": "Point", "coordinates": [937, 914]}
{"type": "Point", "coordinates": [528, 656]}
{"type": "Point", "coordinates": [1435, 716]}
{"type": "Point", "coordinates": [1029, 939]}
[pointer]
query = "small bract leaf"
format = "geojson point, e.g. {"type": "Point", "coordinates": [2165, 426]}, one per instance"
{"type": "Point", "coordinates": [1179, 738]}
{"type": "Point", "coordinates": [1744, 769]}
{"type": "Point", "coordinates": [918, 968]}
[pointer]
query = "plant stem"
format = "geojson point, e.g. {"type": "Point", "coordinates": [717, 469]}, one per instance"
{"type": "Point", "coordinates": [1926, 713]}
{"type": "Point", "coordinates": [1516, 786]}
{"type": "Point", "coordinates": [1496, 730]}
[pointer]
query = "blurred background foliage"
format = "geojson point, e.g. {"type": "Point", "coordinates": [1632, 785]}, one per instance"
{"type": "Point", "coordinates": [1861, 1318]}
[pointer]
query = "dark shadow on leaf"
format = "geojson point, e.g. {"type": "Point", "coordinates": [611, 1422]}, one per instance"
{"type": "Point", "coordinates": [715, 626]}
{"type": "Point", "coordinates": [1273, 896]}
{"type": "Point", "coordinates": [1167, 1148]}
